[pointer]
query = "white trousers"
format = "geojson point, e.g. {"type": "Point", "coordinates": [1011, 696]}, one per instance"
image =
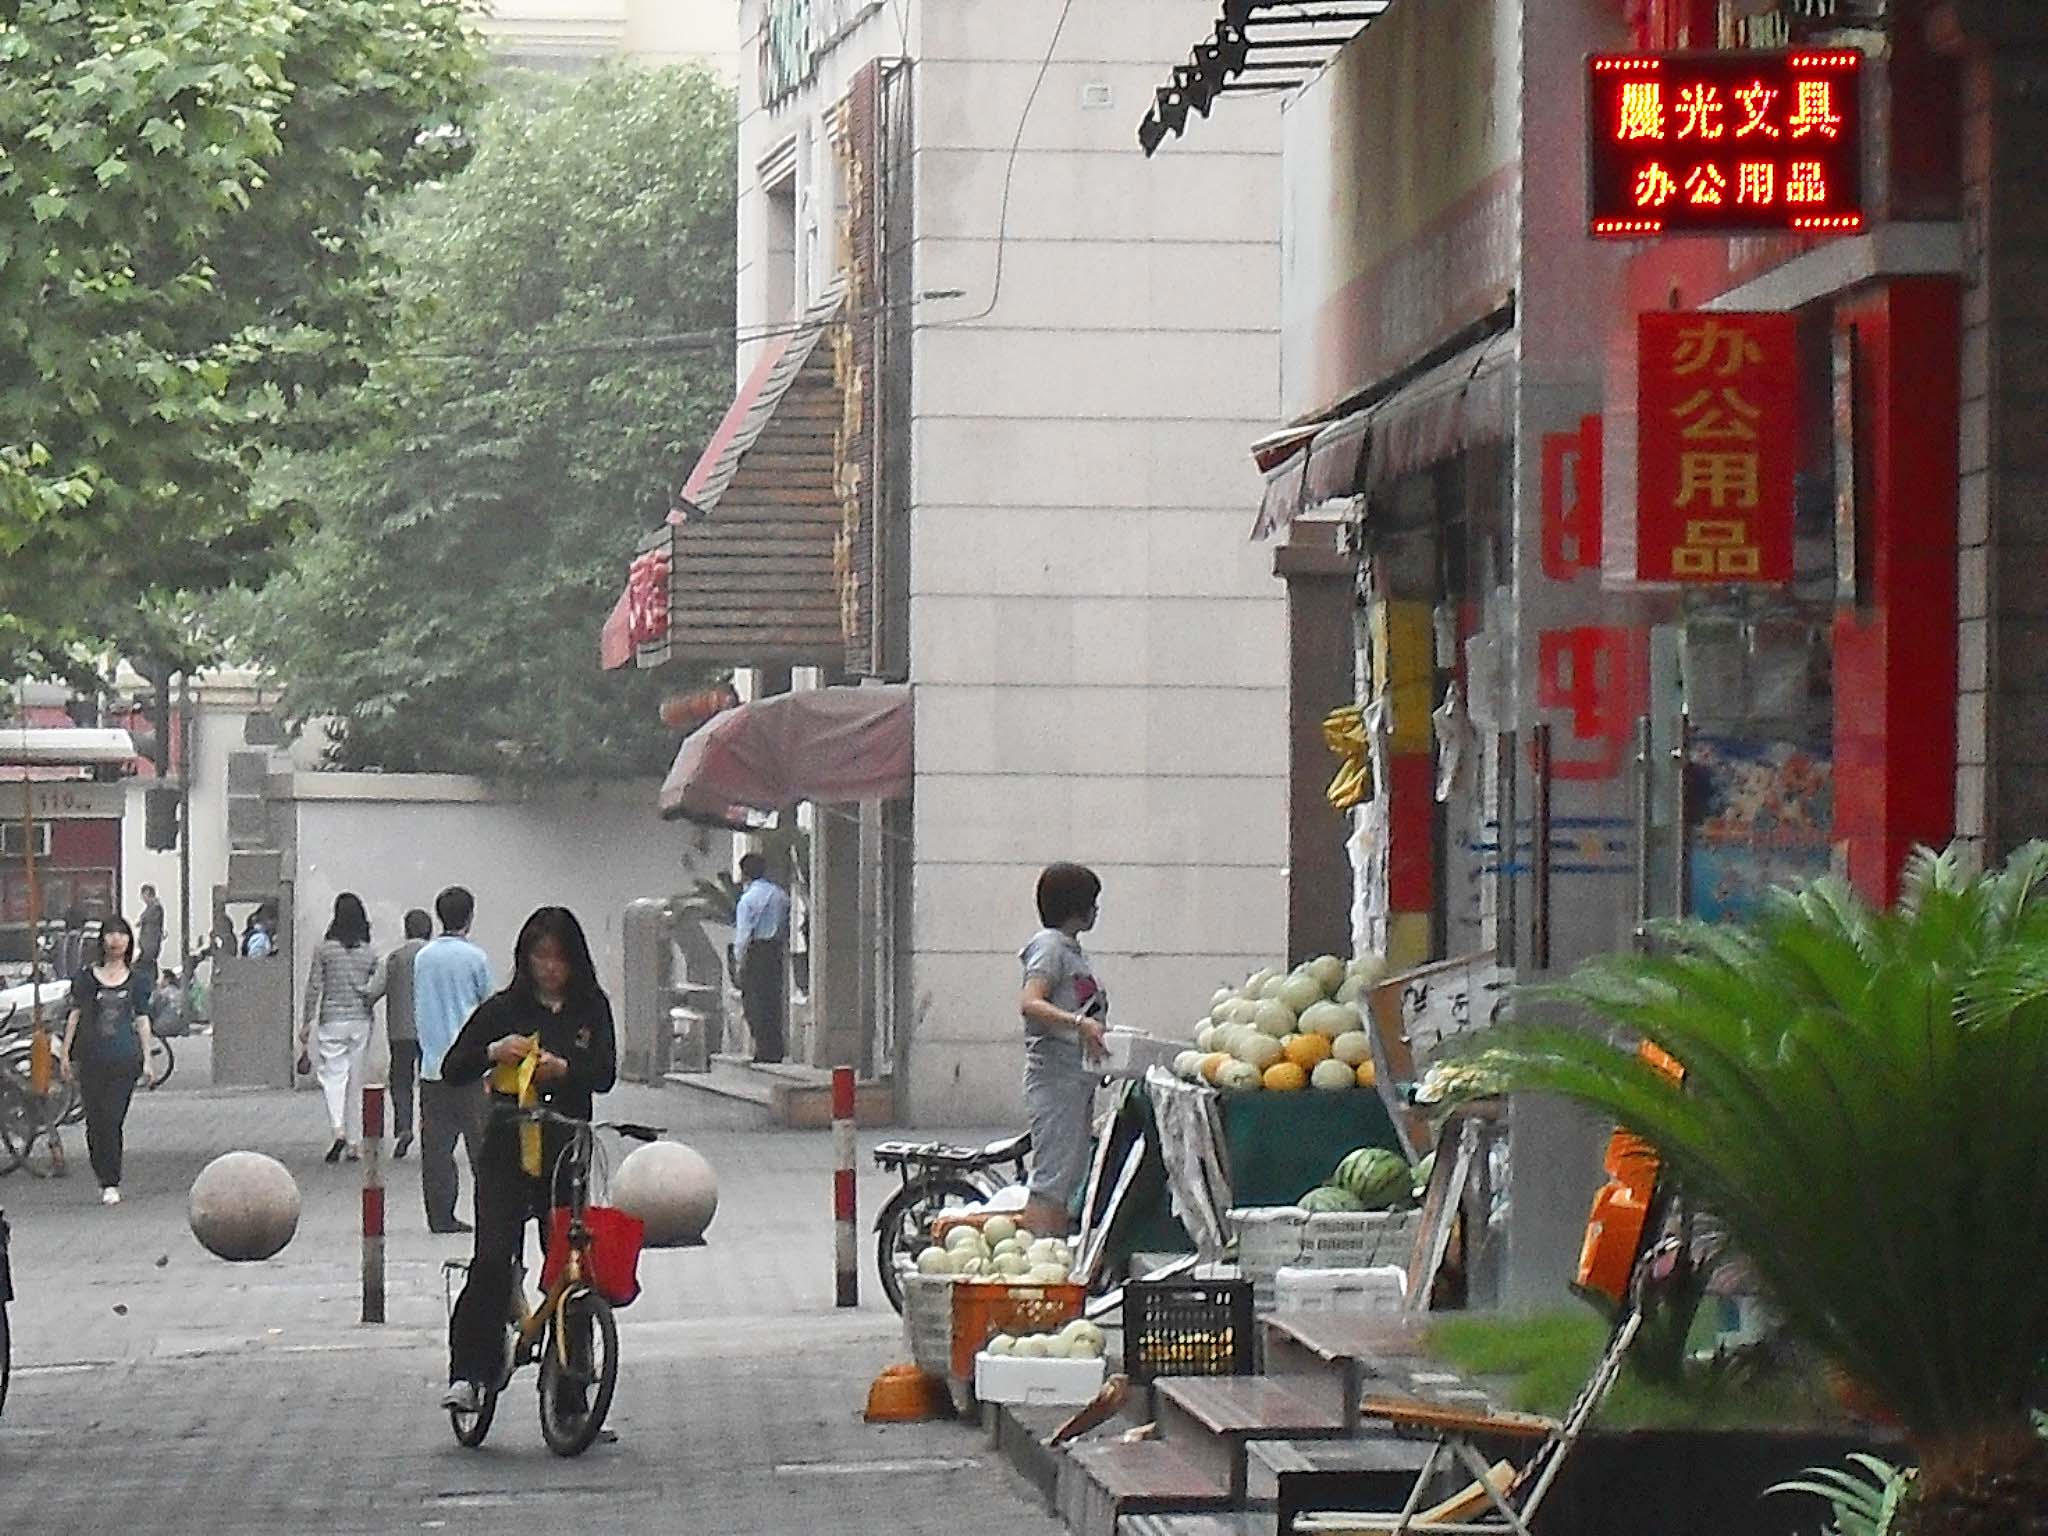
{"type": "Point", "coordinates": [338, 1052]}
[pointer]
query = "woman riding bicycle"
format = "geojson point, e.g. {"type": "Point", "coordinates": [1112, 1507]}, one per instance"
{"type": "Point", "coordinates": [555, 1012]}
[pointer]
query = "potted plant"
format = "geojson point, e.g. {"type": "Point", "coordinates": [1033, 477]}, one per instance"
{"type": "Point", "coordinates": [1864, 1110]}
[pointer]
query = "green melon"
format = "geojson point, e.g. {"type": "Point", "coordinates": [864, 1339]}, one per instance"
{"type": "Point", "coordinates": [1379, 1178]}
{"type": "Point", "coordinates": [1328, 1197]}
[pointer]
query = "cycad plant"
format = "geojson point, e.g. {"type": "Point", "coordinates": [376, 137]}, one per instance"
{"type": "Point", "coordinates": [1865, 1109]}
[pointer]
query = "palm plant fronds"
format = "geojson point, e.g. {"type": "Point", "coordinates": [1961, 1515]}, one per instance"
{"type": "Point", "coordinates": [1865, 1109]}
{"type": "Point", "coordinates": [1863, 1505]}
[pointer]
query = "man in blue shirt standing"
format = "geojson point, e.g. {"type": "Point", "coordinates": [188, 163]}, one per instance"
{"type": "Point", "coordinates": [450, 976]}
{"type": "Point", "coordinates": [760, 942]}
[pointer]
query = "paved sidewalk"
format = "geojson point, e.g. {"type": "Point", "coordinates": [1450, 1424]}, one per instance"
{"type": "Point", "coordinates": [158, 1389]}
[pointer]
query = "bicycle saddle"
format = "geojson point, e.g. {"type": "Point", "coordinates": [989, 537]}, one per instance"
{"type": "Point", "coordinates": [1008, 1149]}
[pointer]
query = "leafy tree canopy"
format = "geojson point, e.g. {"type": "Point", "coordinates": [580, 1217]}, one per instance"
{"type": "Point", "coordinates": [186, 188]}
{"type": "Point", "coordinates": [473, 525]}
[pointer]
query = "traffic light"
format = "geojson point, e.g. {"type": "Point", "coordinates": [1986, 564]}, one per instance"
{"type": "Point", "coordinates": [159, 818]}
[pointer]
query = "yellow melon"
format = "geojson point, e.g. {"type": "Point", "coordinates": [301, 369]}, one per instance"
{"type": "Point", "coordinates": [1306, 1051]}
{"type": "Point", "coordinates": [1285, 1077]}
{"type": "Point", "coordinates": [1368, 1074]}
{"type": "Point", "coordinates": [1213, 1063]}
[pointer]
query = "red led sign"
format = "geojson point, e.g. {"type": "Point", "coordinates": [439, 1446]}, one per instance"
{"type": "Point", "coordinates": [1722, 143]}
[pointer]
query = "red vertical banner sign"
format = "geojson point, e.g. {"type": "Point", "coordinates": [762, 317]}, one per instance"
{"type": "Point", "coordinates": [1717, 446]}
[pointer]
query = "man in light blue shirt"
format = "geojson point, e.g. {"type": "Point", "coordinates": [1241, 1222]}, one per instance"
{"type": "Point", "coordinates": [760, 943]}
{"type": "Point", "coordinates": [450, 976]}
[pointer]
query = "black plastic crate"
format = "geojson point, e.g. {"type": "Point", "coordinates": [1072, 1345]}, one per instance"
{"type": "Point", "coordinates": [1187, 1328]}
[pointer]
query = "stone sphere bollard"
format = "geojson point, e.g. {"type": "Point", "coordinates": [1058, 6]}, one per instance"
{"type": "Point", "coordinates": [671, 1188]}
{"type": "Point", "coordinates": [244, 1206]}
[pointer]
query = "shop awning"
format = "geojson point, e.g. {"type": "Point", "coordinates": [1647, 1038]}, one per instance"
{"type": "Point", "coordinates": [1256, 45]}
{"type": "Point", "coordinates": [829, 745]}
{"type": "Point", "coordinates": [1467, 398]}
{"type": "Point", "coordinates": [746, 557]}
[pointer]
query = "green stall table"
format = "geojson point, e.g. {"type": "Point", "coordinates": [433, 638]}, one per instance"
{"type": "Point", "coordinates": [1278, 1146]}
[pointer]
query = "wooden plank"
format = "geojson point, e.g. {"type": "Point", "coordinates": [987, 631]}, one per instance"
{"type": "Point", "coordinates": [762, 547]}
{"type": "Point", "coordinates": [811, 562]}
{"type": "Point", "coordinates": [820, 530]}
{"type": "Point", "coordinates": [821, 610]}
{"type": "Point", "coordinates": [748, 496]}
{"type": "Point", "coordinates": [1415, 1412]}
{"type": "Point", "coordinates": [715, 583]}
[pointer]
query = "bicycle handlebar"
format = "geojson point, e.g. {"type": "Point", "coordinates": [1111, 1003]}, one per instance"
{"type": "Point", "coordinates": [540, 1114]}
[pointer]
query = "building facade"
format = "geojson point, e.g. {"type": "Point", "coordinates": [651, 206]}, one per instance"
{"type": "Point", "coordinates": [1626, 650]}
{"type": "Point", "coordinates": [995, 379]}
{"type": "Point", "coordinates": [575, 35]}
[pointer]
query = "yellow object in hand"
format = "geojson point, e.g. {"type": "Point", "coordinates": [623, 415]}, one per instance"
{"type": "Point", "coordinates": [514, 1079]}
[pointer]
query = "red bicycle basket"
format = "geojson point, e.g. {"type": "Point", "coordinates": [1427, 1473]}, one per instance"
{"type": "Point", "coordinates": [613, 1261]}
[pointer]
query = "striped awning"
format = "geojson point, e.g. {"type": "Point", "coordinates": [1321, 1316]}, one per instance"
{"type": "Point", "coordinates": [747, 554]}
{"type": "Point", "coordinates": [1434, 415]}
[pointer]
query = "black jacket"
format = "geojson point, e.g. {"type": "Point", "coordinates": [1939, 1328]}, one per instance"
{"type": "Point", "coordinates": [581, 1035]}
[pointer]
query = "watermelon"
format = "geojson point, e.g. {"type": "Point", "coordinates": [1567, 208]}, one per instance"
{"type": "Point", "coordinates": [1423, 1170]}
{"type": "Point", "coordinates": [1379, 1178]}
{"type": "Point", "coordinates": [1329, 1197]}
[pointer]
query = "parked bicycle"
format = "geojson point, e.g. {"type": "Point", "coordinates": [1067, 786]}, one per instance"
{"type": "Point", "coordinates": [570, 1333]}
{"type": "Point", "coordinates": [936, 1178]}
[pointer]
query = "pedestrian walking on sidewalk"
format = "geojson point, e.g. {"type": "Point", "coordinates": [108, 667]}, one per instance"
{"type": "Point", "coordinates": [760, 945]}
{"type": "Point", "coordinates": [334, 1031]}
{"type": "Point", "coordinates": [1064, 1008]}
{"type": "Point", "coordinates": [149, 930]}
{"type": "Point", "coordinates": [393, 982]}
{"type": "Point", "coordinates": [450, 977]}
{"type": "Point", "coordinates": [106, 1047]}
{"type": "Point", "coordinates": [553, 1008]}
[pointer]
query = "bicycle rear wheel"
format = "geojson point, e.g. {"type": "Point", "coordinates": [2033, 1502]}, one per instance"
{"type": "Point", "coordinates": [905, 1225]}
{"type": "Point", "coordinates": [579, 1372]}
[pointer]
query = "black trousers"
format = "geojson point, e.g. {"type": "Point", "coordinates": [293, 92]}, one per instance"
{"type": "Point", "coordinates": [105, 1088]}
{"type": "Point", "coordinates": [507, 1197]}
{"type": "Point", "coordinates": [405, 1074]}
{"type": "Point", "coordinates": [448, 1112]}
{"type": "Point", "coordinates": [761, 997]}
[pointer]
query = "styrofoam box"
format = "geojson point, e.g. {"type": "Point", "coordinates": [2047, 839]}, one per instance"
{"type": "Point", "coordinates": [1268, 1236]}
{"type": "Point", "coordinates": [1008, 1379]}
{"type": "Point", "coordinates": [1128, 1052]}
{"type": "Point", "coordinates": [1356, 1292]}
{"type": "Point", "coordinates": [1357, 1239]}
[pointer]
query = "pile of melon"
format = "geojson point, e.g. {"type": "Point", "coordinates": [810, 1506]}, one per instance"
{"type": "Point", "coordinates": [1283, 1031]}
{"type": "Point", "coordinates": [998, 1252]}
{"type": "Point", "coordinates": [1370, 1179]}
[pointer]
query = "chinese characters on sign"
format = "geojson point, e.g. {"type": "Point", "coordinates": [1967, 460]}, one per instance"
{"type": "Point", "coordinates": [1717, 443]}
{"type": "Point", "coordinates": [1714, 143]}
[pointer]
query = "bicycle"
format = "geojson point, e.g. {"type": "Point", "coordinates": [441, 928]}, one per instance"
{"type": "Point", "coordinates": [571, 1334]}
{"type": "Point", "coordinates": [936, 1177]}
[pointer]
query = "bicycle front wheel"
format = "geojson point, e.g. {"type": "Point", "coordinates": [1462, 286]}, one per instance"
{"type": "Point", "coordinates": [579, 1372]}
{"type": "Point", "coordinates": [470, 1428]}
{"type": "Point", "coordinates": [163, 1061]}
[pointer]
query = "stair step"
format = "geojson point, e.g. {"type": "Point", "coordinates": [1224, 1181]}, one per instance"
{"type": "Point", "coordinates": [1254, 1407]}
{"type": "Point", "coordinates": [1270, 1460]}
{"type": "Point", "coordinates": [1233, 1523]}
{"type": "Point", "coordinates": [1102, 1483]}
{"type": "Point", "coordinates": [1019, 1431]}
{"type": "Point", "coordinates": [1373, 1341]}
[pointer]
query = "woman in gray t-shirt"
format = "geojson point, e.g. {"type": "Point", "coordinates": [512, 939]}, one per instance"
{"type": "Point", "coordinates": [1064, 1008]}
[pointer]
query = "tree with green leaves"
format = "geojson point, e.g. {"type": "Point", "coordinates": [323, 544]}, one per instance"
{"type": "Point", "coordinates": [1864, 1110]}
{"type": "Point", "coordinates": [564, 352]}
{"type": "Point", "coordinates": [186, 191]}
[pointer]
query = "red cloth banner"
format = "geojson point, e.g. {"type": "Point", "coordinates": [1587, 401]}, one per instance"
{"type": "Point", "coordinates": [1717, 446]}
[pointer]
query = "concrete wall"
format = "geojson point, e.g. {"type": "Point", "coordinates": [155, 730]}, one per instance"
{"type": "Point", "coordinates": [397, 839]}
{"type": "Point", "coordinates": [1098, 649]}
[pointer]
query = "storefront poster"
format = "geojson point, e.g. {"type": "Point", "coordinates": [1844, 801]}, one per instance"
{"type": "Point", "coordinates": [1717, 445]}
{"type": "Point", "coordinates": [1763, 817]}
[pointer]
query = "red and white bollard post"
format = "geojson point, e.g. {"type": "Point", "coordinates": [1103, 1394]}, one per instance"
{"type": "Point", "coordinates": [845, 1261]}
{"type": "Point", "coordinates": [373, 1206]}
